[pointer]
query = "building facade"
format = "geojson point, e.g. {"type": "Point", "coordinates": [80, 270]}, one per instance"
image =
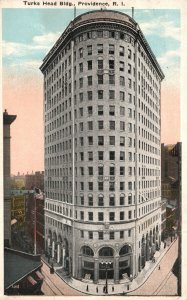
{"type": "Point", "coordinates": [102, 87]}
{"type": "Point", "coordinates": [7, 121]}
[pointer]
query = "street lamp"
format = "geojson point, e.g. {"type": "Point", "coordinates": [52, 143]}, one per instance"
{"type": "Point", "coordinates": [106, 264]}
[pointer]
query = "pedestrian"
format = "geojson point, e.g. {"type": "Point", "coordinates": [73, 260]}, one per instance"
{"type": "Point", "coordinates": [97, 289]}
{"type": "Point", "coordinates": [87, 288]}
{"type": "Point", "coordinates": [112, 289]}
{"type": "Point", "coordinates": [159, 267]}
{"type": "Point", "coordinates": [104, 289]}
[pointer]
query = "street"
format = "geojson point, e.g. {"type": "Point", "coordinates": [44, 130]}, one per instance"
{"type": "Point", "coordinates": [54, 285]}
{"type": "Point", "coordinates": [161, 281]}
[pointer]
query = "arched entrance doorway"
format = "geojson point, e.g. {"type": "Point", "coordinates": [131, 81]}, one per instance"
{"type": "Point", "coordinates": [106, 263]}
{"type": "Point", "coordinates": [87, 262]}
{"type": "Point", "coordinates": [125, 261]}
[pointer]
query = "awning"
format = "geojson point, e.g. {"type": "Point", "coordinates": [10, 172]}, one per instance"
{"type": "Point", "coordinates": [31, 280]}
{"type": "Point", "coordinates": [40, 276]}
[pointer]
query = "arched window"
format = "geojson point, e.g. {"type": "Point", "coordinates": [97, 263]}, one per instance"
{"type": "Point", "coordinates": [125, 250]}
{"type": "Point", "coordinates": [100, 200]}
{"type": "Point", "coordinates": [87, 251]}
{"type": "Point", "coordinates": [106, 251]}
{"type": "Point", "coordinates": [111, 199]}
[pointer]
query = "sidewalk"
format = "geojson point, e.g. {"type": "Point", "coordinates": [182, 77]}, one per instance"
{"type": "Point", "coordinates": [115, 289]}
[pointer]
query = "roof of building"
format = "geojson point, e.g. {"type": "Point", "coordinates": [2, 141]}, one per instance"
{"type": "Point", "coordinates": [18, 265]}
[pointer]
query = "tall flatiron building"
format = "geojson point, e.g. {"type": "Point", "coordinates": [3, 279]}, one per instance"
{"type": "Point", "coordinates": [102, 90]}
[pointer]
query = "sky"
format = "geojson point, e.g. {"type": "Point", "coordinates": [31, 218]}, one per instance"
{"type": "Point", "coordinates": [28, 34]}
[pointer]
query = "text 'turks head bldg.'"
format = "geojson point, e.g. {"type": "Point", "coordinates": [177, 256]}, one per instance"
{"type": "Point", "coordinates": [102, 87]}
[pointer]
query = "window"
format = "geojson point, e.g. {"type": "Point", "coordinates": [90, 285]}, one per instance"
{"type": "Point", "coordinates": [112, 110]}
{"type": "Point", "coordinates": [121, 66]}
{"type": "Point", "coordinates": [100, 94]}
{"type": "Point", "coordinates": [89, 95]}
{"type": "Point", "coordinates": [100, 170]}
{"type": "Point", "coordinates": [111, 216]}
{"type": "Point", "coordinates": [81, 141]}
{"type": "Point", "coordinates": [100, 64]}
{"type": "Point", "coordinates": [100, 79]}
{"type": "Point", "coordinates": [129, 112]}
{"type": "Point", "coordinates": [122, 170]}
{"type": "Point", "coordinates": [89, 64]}
{"type": "Point", "coordinates": [90, 216]}
{"type": "Point", "coordinates": [100, 125]}
{"type": "Point", "coordinates": [81, 156]}
{"type": "Point", "coordinates": [89, 49]}
{"type": "Point", "coordinates": [130, 142]}
{"type": "Point", "coordinates": [100, 34]}
{"type": "Point", "coordinates": [112, 140]}
{"type": "Point", "coordinates": [100, 216]}
{"type": "Point", "coordinates": [100, 110]}
{"type": "Point", "coordinates": [100, 155]}
{"type": "Point", "coordinates": [111, 64]}
{"type": "Point", "coordinates": [90, 140]}
{"type": "Point", "coordinates": [81, 111]}
{"type": "Point", "coordinates": [129, 232]}
{"type": "Point", "coordinates": [130, 98]}
{"type": "Point", "coordinates": [130, 214]}
{"type": "Point", "coordinates": [130, 171]}
{"type": "Point", "coordinates": [130, 186]}
{"type": "Point", "coordinates": [122, 110]}
{"type": "Point", "coordinates": [130, 127]}
{"type": "Point", "coordinates": [122, 96]}
{"type": "Point", "coordinates": [100, 48]}
{"type": "Point", "coordinates": [81, 97]}
{"type": "Point", "coordinates": [111, 200]}
{"type": "Point", "coordinates": [122, 141]}
{"type": "Point", "coordinates": [90, 171]}
{"type": "Point", "coordinates": [82, 199]}
{"type": "Point", "coordinates": [130, 156]}
{"type": "Point", "coordinates": [80, 82]}
{"type": "Point", "coordinates": [121, 215]}
{"type": "Point", "coordinates": [82, 186]}
{"type": "Point", "coordinates": [81, 215]}
{"type": "Point", "coordinates": [90, 125]}
{"type": "Point", "coordinates": [82, 233]}
{"type": "Point", "coordinates": [100, 235]}
{"type": "Point", "coordinates": [81, 67]}
{"type": "Point", "coordinates": [89, 80]}
{"type": "Point", "coordinates": [112, 155]}
{"type": "Point", "coordinates": [121, 51]}
{"type": "Point", "coordinates": [121, 234]}
{"type": "Point", "coordinates": [122, 200]}
{"type": "Point", "coordinates": [122, 155]}
{"type": "Point", "coordinates": [129, 83]}
{"type": "Point", "coordinates": [130, 199]}
{"type": "Point", "coordinates": [82, 171]}
{"type": "Point", "coordinates": [122, 126]}
{"type": "Point", "coordinates": [81, 52]}
{"type": "Point", "coordinates": [129, 53]}
{"type": "Point", "coordinates": [90, 156]}
{"type": "Point", "coordinates": [100, 186]}
{"type": "Point", "coordinates": [112, 125]}
{"type": "Point", "coordinates": [111, 94]}
{"type": "Point", "coordinates": [111, 186]}
{"type": "Point", "coordinates": [90, 110]}
{"type": "Point", "coordinates": [111, 79]}
{"type": "Point", "coordinates": [122, 186]}
{"type": "Point", "coordinates": [111, 34]}
{"type": "Point", "coordinates": [100, 200]}
{"type": "Point", "coordinates": [90, 200]}
{"type": "Point", "coordinates": [129, 69]}
{"type": "Point", "coordinates": [90, 235]}
{"type": "Point", "coordinates": [122, 80]}
{"type": "Point", "coordinates": [111, 49]}
{"type": "Point", "coordinates": [112, 236]}
{"type": "Point", "coordinates": [112, 171]}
